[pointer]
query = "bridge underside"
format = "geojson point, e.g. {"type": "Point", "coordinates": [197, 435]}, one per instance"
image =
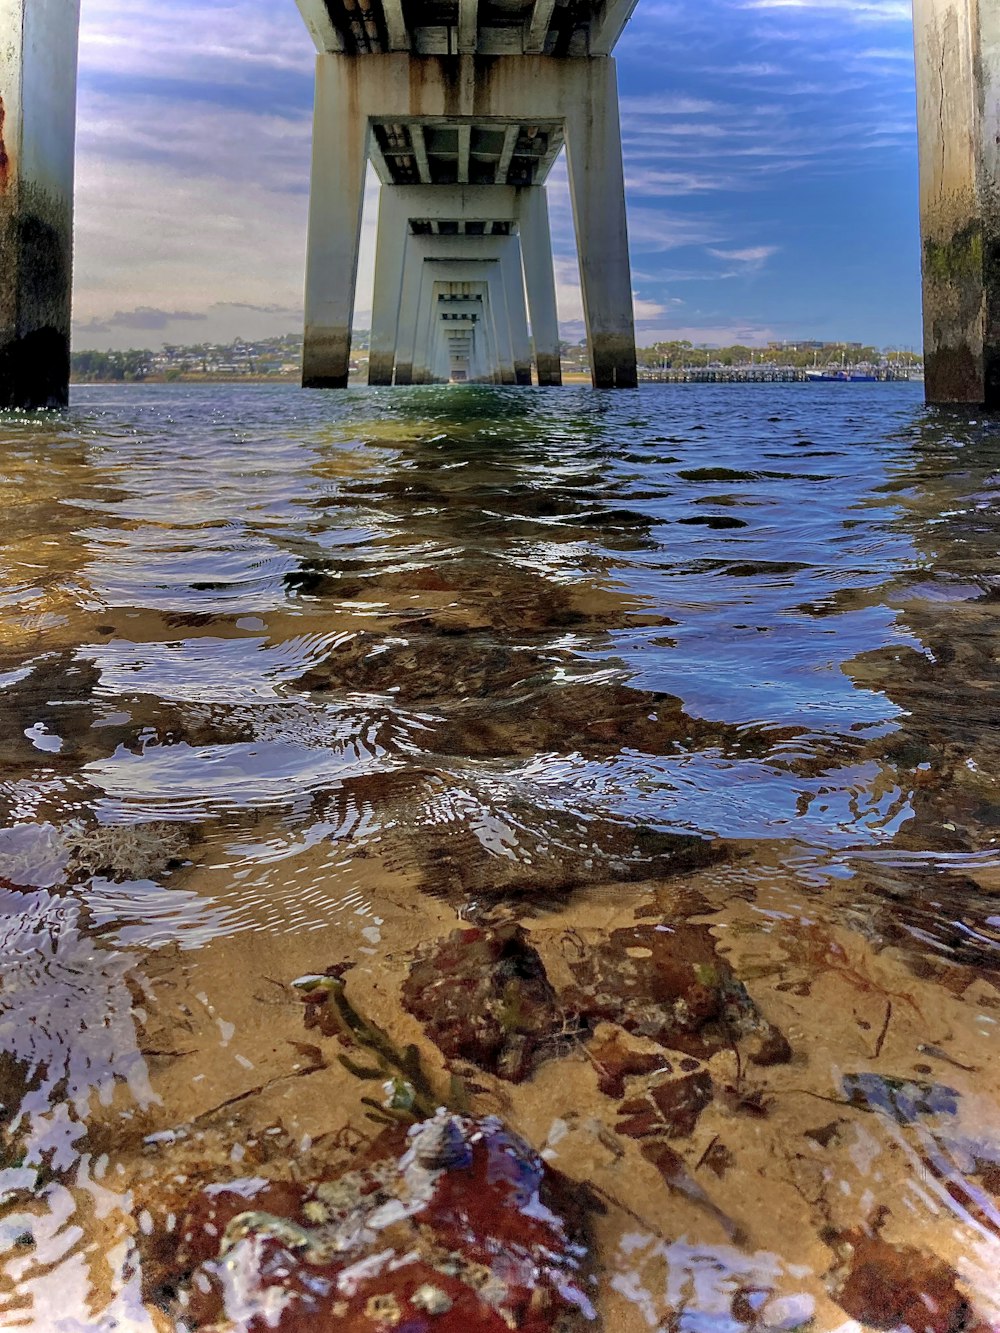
{"type": "Point", "coordinates": [452, 126]}
{"type": "Point", "coordinates": [461, 225]}
{"type": "Point", "coordinates": [569, 28]}
{"type": "Point", "coordinates": [480, 96]}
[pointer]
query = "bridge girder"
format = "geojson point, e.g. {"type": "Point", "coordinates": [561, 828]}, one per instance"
{"type": "Point", "coordinates": [467, 27]}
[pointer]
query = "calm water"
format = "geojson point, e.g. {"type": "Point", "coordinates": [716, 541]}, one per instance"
{"type": "Point", "coordinates": [621, 766]}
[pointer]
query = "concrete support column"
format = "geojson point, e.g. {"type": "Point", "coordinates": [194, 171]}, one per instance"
{"type": "Point", "coordinates": [536, 250]}
{"type": "Point", "coordinates": [406, 333]}
{"type": "Point", "coordinates": [958, 120]}
{"type": "Point", "coordinates": [424, 326]}
{"type": "Point", "coordinates": [390, 255]}
{"type": "Point", "coordinates": [597, 188]}
{"type": "Point", "coordinates": [38, 58]}
{"type": "Point", "coordinates": [340, 155]}
{"type": "Point", "coordinates": [501, 323]}
{"type": "Point", "coordinates": [489, 365]}
{"type": "Point", "coordinates": [513, 280]}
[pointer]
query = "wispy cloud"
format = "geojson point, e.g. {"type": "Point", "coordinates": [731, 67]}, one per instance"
{"type": "Point", "coordinates": [752, 257]}
{"type": "Point", "coordinates": [861, 11]}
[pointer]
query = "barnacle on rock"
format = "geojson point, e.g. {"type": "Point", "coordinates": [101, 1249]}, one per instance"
{"type": "Point", "coordinates": [457, 1227]}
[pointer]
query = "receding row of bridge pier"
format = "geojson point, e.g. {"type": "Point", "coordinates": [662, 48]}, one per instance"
{"type": "Point", "coordinates": [462, 107]}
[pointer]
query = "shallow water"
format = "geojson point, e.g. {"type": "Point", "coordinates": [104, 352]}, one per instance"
{"type": "Point", "coordinates": [679, 706]}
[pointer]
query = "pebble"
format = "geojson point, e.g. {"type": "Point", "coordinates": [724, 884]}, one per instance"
{"type": "Point", "coordinates": [786, 1312]}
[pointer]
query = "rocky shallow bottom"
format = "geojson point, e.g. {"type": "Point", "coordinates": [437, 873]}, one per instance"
{"type": "Point", "coordinates": [532, 870]}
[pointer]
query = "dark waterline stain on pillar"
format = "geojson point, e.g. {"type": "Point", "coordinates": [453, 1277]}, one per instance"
{"type": "Point", "coordinates": [34, 370]}
{"type": "Point", "coordinates": [34, 360]}
{"type": "Point", "coordinates": [954, 281]}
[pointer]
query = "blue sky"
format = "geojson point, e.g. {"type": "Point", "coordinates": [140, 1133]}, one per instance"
{"type": "Point", "coordinates": [770, 160]}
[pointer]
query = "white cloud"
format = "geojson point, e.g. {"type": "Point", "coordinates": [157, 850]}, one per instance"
{"type": "Point", "coordinates": [861, 11]}
{"type": "Point", "coordinates": [661, 184]}
{"type": "Point", "coordinates": [752, 257]}
{"type": "Point", "coordinates": [191, 41]}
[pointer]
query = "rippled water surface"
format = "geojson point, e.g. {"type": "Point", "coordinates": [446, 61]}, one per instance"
{"type": "Point", "coordinates": [619, 766]}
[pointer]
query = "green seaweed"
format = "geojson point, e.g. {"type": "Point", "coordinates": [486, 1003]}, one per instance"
{"type": "Point", "coordinates": [412, 1097]}
{"type": "Point", "coordinates": [958, 259]}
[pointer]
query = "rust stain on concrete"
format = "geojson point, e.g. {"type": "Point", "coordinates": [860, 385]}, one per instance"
{"type": "Point", "coordinates": [4, 156]}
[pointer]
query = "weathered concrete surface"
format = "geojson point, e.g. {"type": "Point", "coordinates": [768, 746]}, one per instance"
{"type": "Point", "coordinates": [439, 274]}
{"type": "Point", "coordinates": [512, 268]}
{"type": "Point", "coordinates": [957, 44]}
{"type": "Point", "coordinates": [339, 159]}
{"type": "Point", "coordinates": [458, 259]}
{"type": "Point", "coordinates": [38, 56]}
{"type": "Point", "coordinates": [390, 253]}
{"type": "Point", "coordinates": [520, 209]}
{"type": "Point", "coordinates": [580, 95]}
{"type": "Point", "coordinates": [597, 186]}
{"type": "Point", "coordinates": [539, 276]}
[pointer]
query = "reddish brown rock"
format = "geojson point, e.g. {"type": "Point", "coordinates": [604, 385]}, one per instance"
{"type": "Point", "coordinates": [894, 1286]}
{"type": "Point", "coordinates": [668, 983]}
{"type": "Point", "coordinates": [458, 1228]}
{"type": "Point", "coordinates": [670, 1107]}
{"type": "Point", "coordinates": [483, 996]}
{"type": "Point", "coordinates": [615, 1062]}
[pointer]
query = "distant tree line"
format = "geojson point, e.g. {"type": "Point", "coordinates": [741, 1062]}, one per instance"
{"type": "Point", "coordinates": [110, 367]}
{"type": "Point", "coordinates": [680, 353]}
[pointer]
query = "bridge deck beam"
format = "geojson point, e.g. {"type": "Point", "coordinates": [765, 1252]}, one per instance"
{"type": "Point", "coordinates": [958, 117]}
{"type": "Point", "coordinates": [38, 59]}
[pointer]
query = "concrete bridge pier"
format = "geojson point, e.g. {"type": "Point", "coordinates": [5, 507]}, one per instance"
{"type": "Point", "coordinates": [336, 200]}
{"type": "Point", "coordinates": [597, 187]}
{"type": "Point", "coordinates": [480, 220]}
{"type": "Point", "coordinates": [440, 278]}
{"type": "Point", "coordinates": [398, 108]}
{"type": "Point", "coordinates": [512, 270]}
{"type": "Point", "coordinates": [539, 276]}
{"type": "Point", "coordinates": [390, 257]}
{"type": "Point", "coordinates": [38, 59]}
{"type": "Point", "coordinates": [466, 315]}
{"type": "Point", "coordinates": [492, 261]}
{"type": "Point", "coordinates": [958, 116]}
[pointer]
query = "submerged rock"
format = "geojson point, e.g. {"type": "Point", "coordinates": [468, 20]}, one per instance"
{"type": "Point", "coordinates": [483, 996]}
{"type": "Point", "coordinates": [895, 1286]}
{"type": "Point", "coordinates": [458, 1227]}
{"type": "Point", "coordinates": [669, 984]}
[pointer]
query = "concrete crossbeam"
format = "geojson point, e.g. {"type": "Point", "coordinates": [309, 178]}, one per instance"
{"type": "Point", "coordinates": [323, 31]}
{"type": "Point", "coordinates": [468, 26]}
{"type": "Point", "coordinates": [395, 24]}
{"type": "Point", "coordinates": [609, 26]}
{"type": "Point", "coordinates": [38, 61]}
{"type": "Point", "coordinates": [538, 27]}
